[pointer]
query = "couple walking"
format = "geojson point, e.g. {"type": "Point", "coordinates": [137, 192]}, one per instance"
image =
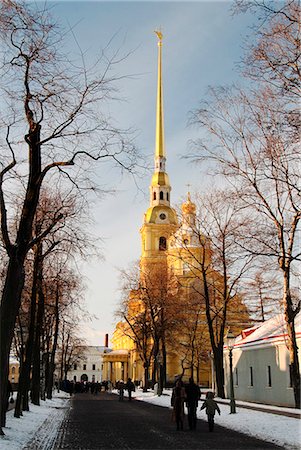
{"type": "Point", "coordinates": [191, 395]}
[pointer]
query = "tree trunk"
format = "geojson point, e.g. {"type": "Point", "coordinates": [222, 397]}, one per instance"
{"type": "Point", "coordinates": [36, 367]}
{"type": "Point", "coordinates": [14, 281]}
{"type": "Point", "coordinates": [18, 405]}
{"type": "Point", "coordinates": [219, 370]}
{"type": "Point", "coordinates": [54, 346]}
{"type": "Point", "coordinates": [145, 384]}
{"type": "Point", "coordinates": [198, 373]}
{"type": "Point", "coordinates": [24, 380]}
{"type": "Point", "coordinates": [164, 354]}
{"type": "Point", "coordinates": [292, 343]}
{"type": "Point", "coordinates": [10, 304]}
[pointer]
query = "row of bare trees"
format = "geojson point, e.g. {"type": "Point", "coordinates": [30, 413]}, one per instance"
{"type": "Point", "coordinates": [251, 137]}
{"type": "Point", "coordinates": [53, 131]}
{"type": "Point", "coordinates": [50, 298]}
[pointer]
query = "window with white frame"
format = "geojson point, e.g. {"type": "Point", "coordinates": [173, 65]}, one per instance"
{"type": "Point", "coordinates": [269, 376]}
{"type": "Point", "coordinates": [251, 380]}
{"type": "Point", "coordinates": [236, 376]}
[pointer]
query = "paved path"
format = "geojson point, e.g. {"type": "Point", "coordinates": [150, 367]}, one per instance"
{"type": "Point", "coordinates": [102, 422]}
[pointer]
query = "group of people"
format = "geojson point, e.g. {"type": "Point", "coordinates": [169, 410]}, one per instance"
{"type": "Point", "coordinates": [190, 395]}
{"type": "Point", "coordinates": [84, 386]}
{"type": "Point", "coordinates": [128, 386]}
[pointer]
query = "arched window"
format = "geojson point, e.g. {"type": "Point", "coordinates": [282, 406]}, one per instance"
{"type": "Point", "coordinates": [155, 196]}
{"type": "Point", "coordinates": [13, 369]}
{"type": "Point", "coordinates": [161, 195]}
{"type": "Point", "coordinates": [162, 243]}
{"type": "Point", "coordinates": [167, 196]}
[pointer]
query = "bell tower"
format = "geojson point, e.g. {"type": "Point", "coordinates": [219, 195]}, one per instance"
{"type": "Point", "coordinates": [160, 220]}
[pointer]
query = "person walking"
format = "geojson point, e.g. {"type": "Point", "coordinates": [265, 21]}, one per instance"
{"type": "Point", "coordinates": [130, 387]}
{"type": "Point", "coordinates": [193, 395]}
{"type": "Point", "coordinates": [211, 406]}
{"type": "Point", "coordinates": [177, 402]}
{"type": "Point", "coordinates": [120, 387]}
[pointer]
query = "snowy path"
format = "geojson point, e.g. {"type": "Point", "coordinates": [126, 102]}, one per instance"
{"type": "Point", "coordinates": [37, 428]}
{"type": "Point", "coordinates": [46, 434]}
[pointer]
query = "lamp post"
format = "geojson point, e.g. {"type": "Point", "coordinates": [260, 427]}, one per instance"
{"type": "Point", "coordinates": [159, 361]}
{"type": "Point", "coordinates": [230, 341]}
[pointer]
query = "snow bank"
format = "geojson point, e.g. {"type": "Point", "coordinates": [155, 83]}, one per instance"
{"type": "Point", "coordinates": [28, 429]}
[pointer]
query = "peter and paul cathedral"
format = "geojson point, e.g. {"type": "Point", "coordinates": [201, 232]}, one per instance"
{"type": "Point", "coordinates": [161, 238]}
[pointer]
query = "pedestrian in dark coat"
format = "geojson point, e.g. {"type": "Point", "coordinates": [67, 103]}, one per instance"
{"type": "Point", "coordinates": [211, 406]}
{"type": "Point", "coordinates": [130, 387]}
{"type": "Point", "coordinates": [177, 401]}
{"type": "Point", "coordinates": [120, 387]}
{"type": "Point", "coordinates": [193, 394]}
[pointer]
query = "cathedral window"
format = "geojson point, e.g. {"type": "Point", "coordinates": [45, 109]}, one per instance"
{"type": "Point", "coordinates": [161, 195]}
{"type": "Point", "coordinates": [162, 243]}
{"type": "Point", "coordinates": [155, 196]}
{"type": "Point", "coordinates": [167, 196]}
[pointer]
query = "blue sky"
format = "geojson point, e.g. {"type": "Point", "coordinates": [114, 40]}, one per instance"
{"type": "Point", "coordinates": [202, 43]}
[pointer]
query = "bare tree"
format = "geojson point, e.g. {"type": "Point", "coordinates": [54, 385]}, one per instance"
{"type": "Point", "coordinates": [254, 145]}
{"type": "Point", "coordinates": [71, 346]}
{"type": "Point", "coordinates": [136, 318]}
{"type": "Point", "coordinates": [273, 51]}
{"type": "Point", "coordinates": [261, 294]}
{"type": "Point", "coordinates": [53, 109]}
{"type": "Point", "coordinates": [159, 289]}
{"type": "Point", "coordinates": [191, 338]}
{"type": "Point", "coordinates": [216, 266]}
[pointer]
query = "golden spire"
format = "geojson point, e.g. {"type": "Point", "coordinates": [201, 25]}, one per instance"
{"type": "Point", "coordinates": [160, 151]}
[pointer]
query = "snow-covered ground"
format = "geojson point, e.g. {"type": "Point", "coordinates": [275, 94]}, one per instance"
{"type": "Point", "coordinates": [279, 429]}
{"type": "Point", "coordinates": [20, 432]}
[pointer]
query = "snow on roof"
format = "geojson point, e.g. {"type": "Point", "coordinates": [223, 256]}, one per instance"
{"type": "Point", "coordinates": [271, 331]}
{"type": "Point", "coordinates": [119, 352]}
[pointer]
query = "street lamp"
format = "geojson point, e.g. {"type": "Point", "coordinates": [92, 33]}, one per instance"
{"type": "Point", "coordinates": [159, 361]}
{"type": "Point", "coordinates": [230, 342]}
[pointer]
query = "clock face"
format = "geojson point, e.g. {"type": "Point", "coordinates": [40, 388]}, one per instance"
{"type": "Point", "coordinates": [162, 216]}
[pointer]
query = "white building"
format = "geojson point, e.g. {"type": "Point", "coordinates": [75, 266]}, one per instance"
{"type": "Point", "coordinates": [261, 370]}
{"type": "Point", "coordinates": [90, 367]}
